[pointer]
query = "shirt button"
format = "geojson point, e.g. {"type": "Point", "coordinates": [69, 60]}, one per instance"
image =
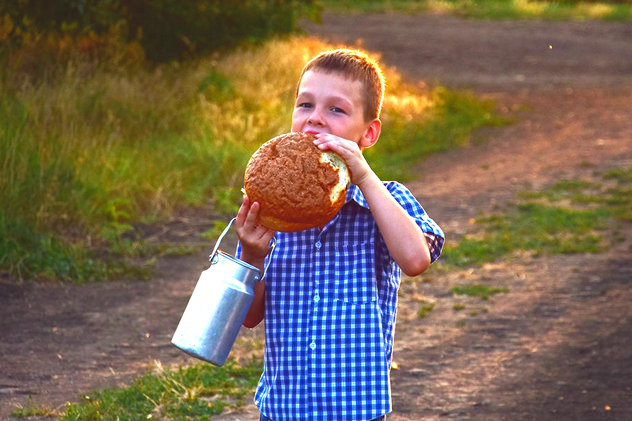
{"type": "Point", "coordinates": [318, 245]}
{"type": "Point", "coordinates": [312, 346]}
{"type": "Point", "coordinates": [316, 298]}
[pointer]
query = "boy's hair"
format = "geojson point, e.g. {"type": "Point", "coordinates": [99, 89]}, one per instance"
{"type": "Point", "coordinates": [355, 65]}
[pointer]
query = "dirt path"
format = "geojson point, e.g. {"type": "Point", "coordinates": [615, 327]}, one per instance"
{"type": "Point", "coordinates": [556, 347]}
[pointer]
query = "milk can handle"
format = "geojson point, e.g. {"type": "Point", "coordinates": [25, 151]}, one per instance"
{"type": "Point", "coordinates": [219, 240]}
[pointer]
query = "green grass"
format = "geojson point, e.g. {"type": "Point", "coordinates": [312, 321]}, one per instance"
{"type": "Point", "coordinates": [621, 175]}
{"type": "Point", "coordinates": [496, 9]}
{"type": "Point", "coordinates": [571, 216]}
{"type": "Point", "coordinates": [192, 393]}
{"type": "Point", "coordinates": [90, 152]}
{"type": "Point", "coordinates": [425, 310]}
{"type": "Point", "coordinates": [481, 291]}
{"type": "Point", "coordinates": [33, 410]}
{"type": "Point", "coordinates": [448, 123]}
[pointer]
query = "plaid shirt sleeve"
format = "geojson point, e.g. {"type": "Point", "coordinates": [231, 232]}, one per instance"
{"type": "Point", "coordinates": [432, 231]}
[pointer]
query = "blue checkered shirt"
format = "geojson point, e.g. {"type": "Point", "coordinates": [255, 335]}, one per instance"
{"type": "Point", "coordinates": [330, 305]}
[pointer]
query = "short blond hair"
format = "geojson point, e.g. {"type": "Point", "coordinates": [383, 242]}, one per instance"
{"type": "Point", "coordinates": [354, 65]}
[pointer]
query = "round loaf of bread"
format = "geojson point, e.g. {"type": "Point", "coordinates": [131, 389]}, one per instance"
{"type": "Point", "coordinates": [297, 185]}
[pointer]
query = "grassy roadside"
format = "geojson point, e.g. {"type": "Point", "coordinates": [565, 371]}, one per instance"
{"type": "Point", "coordinates": [91, 151]}
{"type": "Point", "coordinates": [572, 216]}
{"type": "Point", "coordinates": [495, 9]}
{"type": "Point", "coordinates": [569, 217]}
{"type": "Point", "coordinates": [193, 393]}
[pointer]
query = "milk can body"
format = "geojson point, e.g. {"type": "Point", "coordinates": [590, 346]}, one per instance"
{"type": "Point", "coordinates": [217, 308]}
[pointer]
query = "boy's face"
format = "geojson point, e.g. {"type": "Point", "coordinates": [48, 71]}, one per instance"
{"type": "Point", "coordinates": [330, 103]}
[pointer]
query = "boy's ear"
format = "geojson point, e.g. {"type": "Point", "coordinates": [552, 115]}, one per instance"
{"type": "Point", "coordinates": [371, 134]}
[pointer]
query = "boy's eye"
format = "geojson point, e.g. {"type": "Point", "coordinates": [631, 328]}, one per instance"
{"type": "Point", "coordinates": [337, 110]}
{"type": "Point", "coordinates": [304, 105]}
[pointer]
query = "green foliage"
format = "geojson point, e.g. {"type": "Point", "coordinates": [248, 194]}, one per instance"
{"type": "Point", "coordinates": [531, 227]}
{"type": "Point", "coordinates": [194, 393]}
{"type": "Point", "coordinates": [55, 15]}
{"type": "Point", "coordinates": [92, 152]}
{"type": "Point", "coordinates": [216, 85]}
{"type": "Point", "coordinates": [425, 310]}
{"type": "Point", "coordinates": [622, 175]}
{"type": "Point", "coordinates": [171, 28]}
{"type": "Point", "coordinates": [28, 253]}
{"type": "Point", "coordinates": [32, 410]}
{"type": "Point", "coordinates": [448, 124]}
{"type": "Point", "coordinates": [167, 29]}
{"type": "Point", "coordinates": [568, 217]}
{"type": "Point", "coordinates": [215, 231]}
{"type": "Point", "coordinates": [619, 197]}
{"type": "Point", "coordinates": [481, 291]}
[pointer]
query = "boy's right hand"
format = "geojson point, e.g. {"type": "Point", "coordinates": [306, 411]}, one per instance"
{"type": "Point", "coordinates": [254, 238]}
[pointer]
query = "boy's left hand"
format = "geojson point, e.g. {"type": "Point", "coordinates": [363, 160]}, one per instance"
{"type": "Point", "coordinates": [349, 150]}
{"type": "Point", "coordinates": [254, 238]}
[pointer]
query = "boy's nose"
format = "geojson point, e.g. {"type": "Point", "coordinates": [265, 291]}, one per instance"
{"type": "Point", "coordinates": [315, 117]}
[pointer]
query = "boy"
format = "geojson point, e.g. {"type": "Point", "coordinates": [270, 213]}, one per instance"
{"type": "Point", "coordinates": [330, 293]}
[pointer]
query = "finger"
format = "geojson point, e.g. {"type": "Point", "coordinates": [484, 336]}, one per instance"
{"type": "Point", "coordinates": [323, 141]}
{"type": "Point", "coordinates": [265, 237]}
{"type": "Point", "coordinates": [253, 215]}
{"type": "Point", "coordinates": [265, 234]}
{"type": "Point", "coordinates": [243, 211]}
{"type": "Point", "coordinates": [337, 144]}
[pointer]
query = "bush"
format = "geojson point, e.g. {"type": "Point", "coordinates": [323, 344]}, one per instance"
{"type": "Point", "coordinates": [167, 29]}
{"type": "Point", "coordinates": [171, 29]}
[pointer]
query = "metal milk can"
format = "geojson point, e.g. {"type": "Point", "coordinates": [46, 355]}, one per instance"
{"type": "Point", "coordinates": [218, 306]}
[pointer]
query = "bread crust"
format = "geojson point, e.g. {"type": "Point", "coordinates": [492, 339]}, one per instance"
{"type": "Point", "coordinates": [294, 184]}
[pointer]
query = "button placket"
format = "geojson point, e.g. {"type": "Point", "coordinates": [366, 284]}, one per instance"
{"type": "Point", "coordinates": [316, 297]}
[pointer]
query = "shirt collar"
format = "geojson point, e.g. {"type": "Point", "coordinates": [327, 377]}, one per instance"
{"type": "Point", "coordinates": [354, 193]}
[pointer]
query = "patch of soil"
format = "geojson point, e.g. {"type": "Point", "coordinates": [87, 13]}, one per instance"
{"type": "Point", "coordinates": [556, 346]}
{"type": "Point", "coordinates": [490, 56]}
